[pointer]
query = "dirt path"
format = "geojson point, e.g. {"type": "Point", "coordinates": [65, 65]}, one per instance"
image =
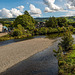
{"type": "Point", "coordinates": [14, 53]}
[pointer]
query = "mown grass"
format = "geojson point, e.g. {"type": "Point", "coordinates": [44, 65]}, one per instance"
{"type": "Point", "coordinates": [67, 63]}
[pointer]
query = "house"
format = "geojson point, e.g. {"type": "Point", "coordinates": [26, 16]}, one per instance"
{"type": "Point", "coordinates": [40, 24]}
{"type": "Point", "coordinates": [1, 28]}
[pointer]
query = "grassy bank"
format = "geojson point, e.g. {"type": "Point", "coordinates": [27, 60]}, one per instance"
{"type": "Point", "coordinates": [8, 37]}
{"type": "Point", "coordinates": [67, 63]}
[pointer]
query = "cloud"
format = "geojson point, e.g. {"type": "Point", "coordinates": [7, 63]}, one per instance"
{"type": "Point", "coordinates": [71, 4]}
{"type": "Point", "coordinates": [21, 8]}
{"type": "Point", "coordinates": [35, 11]}
{"type": "Point", "coordinates": [70, 13]}
{"type": "Point", "coordinates": [51, 6]}
{"type": "Point", "coordinates": [5, 13]}
{"type": "Point", "coordinates": [15, 12]}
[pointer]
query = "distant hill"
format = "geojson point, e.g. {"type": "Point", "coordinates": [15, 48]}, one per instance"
{"type": "Point", "coordinates": [41, 19]}
{"type": "Point", "coordinates": [70, 19]}
{"type": "Point", "coordinates": [12, 19]}
{"type": "Point", "coordinates": [7, 19]}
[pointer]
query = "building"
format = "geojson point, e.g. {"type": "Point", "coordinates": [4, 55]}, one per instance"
{"type": "Point", "coordinates": [40, 24]}
{"type": "Point", "coordinates": [1, 28]}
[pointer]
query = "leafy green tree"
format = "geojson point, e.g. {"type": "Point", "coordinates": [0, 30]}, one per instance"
{"type": "Point", "coordinates": [67, 41]}
{"type": "Point", "coordinates": [26, 21]}
{"type": "Point", "coordinates": [18, 31]}
{"type": "Point", "coordinates": [62, 22]}
{"type": "Point", "coordinates": [52, 22]}
{"type": "Point", "coordinates": [58, 53]}
{"type": "Point", "coordinates": [26, 13]}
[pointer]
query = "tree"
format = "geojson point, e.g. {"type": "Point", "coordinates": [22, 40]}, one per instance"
{"type": "Point", "coordinates": [67, 41]}
{"type": "Point", "coordinates": [52, 22]}
{"type": "Point", "coordinates": [62, 22]}
{"type": "Point", "coordinates": [26, 21]}
{"type": "Point", "coordinates": [26, 13]}
{"type": "Point", "coordinates": [18, 31]}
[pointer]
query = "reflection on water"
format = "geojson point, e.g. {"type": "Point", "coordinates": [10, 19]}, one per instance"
{"type": "Point", "coordinates": [51, 36]}
{"type": "Point", "coordinates": [56, 35]}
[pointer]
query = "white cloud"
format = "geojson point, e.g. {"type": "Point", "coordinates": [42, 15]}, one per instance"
{"type": "Point", "coordinates": [51, 6]}
{"type": "Point", "coordinates": [5, 13]}
{"type": "Point", "coordinates": [35, 11]}
{"type": "Point", "coordinates": [70, 13]}
{"type": "Point", "coordinates": [21, 8]}
{"type": "Point", "coordinates": [15, 12]}
{"type": "Point", "coordinates": [71, 4]}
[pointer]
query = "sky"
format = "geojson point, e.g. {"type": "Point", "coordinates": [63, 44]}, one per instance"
{"type": "Point", "coordinates": [37, 8]}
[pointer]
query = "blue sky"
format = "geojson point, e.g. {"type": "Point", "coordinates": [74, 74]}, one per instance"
{"type": "Point", "coordinates": [37, 8]}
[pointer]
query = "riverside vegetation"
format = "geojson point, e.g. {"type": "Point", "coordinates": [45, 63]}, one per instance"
{"type": "Point", "coordinates": [24, 26]}
{"type": "Point", "coordinates": [66, 55]}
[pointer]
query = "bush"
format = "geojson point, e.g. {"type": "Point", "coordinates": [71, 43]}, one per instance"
{"type": "Point", "coordinates": [67, 41]}
{"type": "Point", "coordinates": [17, 32]}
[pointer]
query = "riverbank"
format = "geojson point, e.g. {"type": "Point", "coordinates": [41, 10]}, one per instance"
{"type": "Point", "coordinates": [3, 34]}
{"type": "Point", "coordinates": [67, 63]}
{"type": "Point", "coordinates": [14, 53]}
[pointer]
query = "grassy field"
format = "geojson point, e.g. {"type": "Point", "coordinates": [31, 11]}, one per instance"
{"type": "Point", "coordinates": [67, 64]}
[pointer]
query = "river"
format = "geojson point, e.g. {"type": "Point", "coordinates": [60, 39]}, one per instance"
{"type": "Point", "coordinates": [42, 63]}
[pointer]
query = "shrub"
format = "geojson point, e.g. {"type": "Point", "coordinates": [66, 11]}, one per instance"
{"type": "Point", "coordinates": [67, 41]}
{"type": "Point", "coordinates": [17, 32]}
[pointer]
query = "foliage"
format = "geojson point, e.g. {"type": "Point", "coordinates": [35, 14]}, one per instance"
{"type": "Point", "coordinates": [26, 13]}
{"type": "Point", "coordinates": [71, 23]}
{"type": "Point", "coordinates": [59, 53]}
{"type": "Point", "coordinates": [67, 65]}
{"type": "Point", "coordinates": [18, 31]}
{"type": "Point", "coordinates": [52, 22]}
{"type": "Point", "coordinates": [6, 37]}
{"type": "Point", "coordinates": [43, 30]}
{"type": "Point", "coordinates": [26, 21]}
{"type": "Point", "coordinates": [67, 41]}
{"type": "Point", "coordinates": [66, 61]}
{"type": "Point", "coordinates": [62, 22]}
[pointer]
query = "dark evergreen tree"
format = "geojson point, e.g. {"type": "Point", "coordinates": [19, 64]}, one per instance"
{"type": "Point", "coordinates": [62, 22]}
{"type": "Point", "coordinates": [52, 22]}
{"type": "Point", "coordinates": [67, 41]}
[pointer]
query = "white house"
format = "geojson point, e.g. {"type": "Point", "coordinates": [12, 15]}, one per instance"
{"type": "Point", "coordinates": [1, 27]}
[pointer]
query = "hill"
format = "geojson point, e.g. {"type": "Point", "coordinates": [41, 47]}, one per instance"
{"type": "Point", "coordinates": [70, 19]}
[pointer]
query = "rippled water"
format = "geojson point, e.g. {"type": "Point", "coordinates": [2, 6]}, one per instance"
{"type": "Point", "coordinates": [42, 63]}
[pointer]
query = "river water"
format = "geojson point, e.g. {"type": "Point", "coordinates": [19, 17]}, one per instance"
{"type": "Point", "coordinates": [42, 63]}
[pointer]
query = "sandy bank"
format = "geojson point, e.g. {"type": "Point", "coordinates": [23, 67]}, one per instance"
{"type": "Point", "coordinates": [13, 53]}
